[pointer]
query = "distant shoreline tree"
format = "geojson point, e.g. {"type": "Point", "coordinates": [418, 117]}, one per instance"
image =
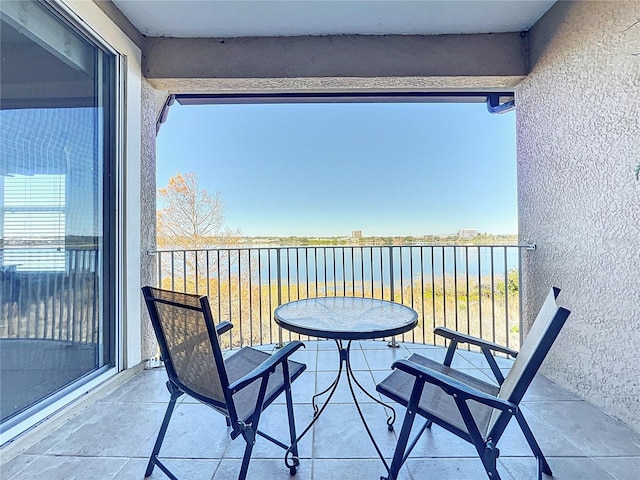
{"type": "Point", "coordinates": [190, 217]}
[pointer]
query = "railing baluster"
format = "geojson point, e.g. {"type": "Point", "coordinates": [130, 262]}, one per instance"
{"type": "Point", "coordinates": [519, 293]}
{"type": "Point", "coordinates": [455, 285]}
{"type": "Point", "coordinates": [315, 254]}
{"type": "Point", "coordinates": [270, 297]}
{"type": "Point", "coordinates": [433, 295]}
{"type": "Point", "coordinates": [297, 270]}
{"type": "Point", "coordinates": [173, 264]}
{"type": "Point", "coordinates": [444, 289]}
{"type": "Point", "coordinates": [207, 274]}
{"type": "Point", "coordinates": [324, 265]}
{"type": "Point", "coordinates": [480, 332]}
{"type": "Point", "coordinates": [288, 257]}
{"type": "Point", "coordinates": [394, 343]}
{"type": "Point", "coordinates": [260, 317]}
{"type": "Point", "coordinates": [413, 286]}
{"type": "Point", "coordinates": [335, 284]}
{"type": "Point", "coordinates": [422, 290]}
{"type": "Point", "coordinates": [371, 263]}
{"type": "Point", "coordinates": [353, 272]}
{"type": "Point", "coordinates": [229, 298]}
{"type": "Point", "coordinates": [184, 271]}
{"type": "Point", "coordinates": [279, 291]}
{"type": "Point", "coordinates": [506, 299]}
{"type": "Point", "coordinates": [493, 300]}
{"type": "Point", "coordinates": [306, 262]}
{"type": "Point", "coordinates": [219, 286]}
{"type": "Point", "coordinates": [391, 274]}
{"type": "Point", "coordinates": [466, 265]}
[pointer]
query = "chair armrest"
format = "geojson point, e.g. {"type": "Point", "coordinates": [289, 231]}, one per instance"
{"type": "Point", "coordinates": [223, 327]}
{"type": "Point", "coordinates": [453, 387]}
{"type": "Point", "coordinates": [267, 367]}
{"type": "Point", "coordinates": [463, 338]}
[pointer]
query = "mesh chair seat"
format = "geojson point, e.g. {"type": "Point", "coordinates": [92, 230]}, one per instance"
{"type": "Point", "coordinates": [241, 363]}
{"type": "Point", "coordinates": [434, 402]}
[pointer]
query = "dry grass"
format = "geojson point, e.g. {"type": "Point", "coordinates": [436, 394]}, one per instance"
{"type": "Point", "coordinates": [486, 309]}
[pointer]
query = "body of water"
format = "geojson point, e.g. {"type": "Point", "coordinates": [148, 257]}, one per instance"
{"type": "Point", "coordinates": [339, 264]}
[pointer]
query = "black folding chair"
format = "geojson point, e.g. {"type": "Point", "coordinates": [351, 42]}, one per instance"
{"type": "Point", "coordinates": [472, 409]}
{"type": "Point", "coordinates": [240, 387]}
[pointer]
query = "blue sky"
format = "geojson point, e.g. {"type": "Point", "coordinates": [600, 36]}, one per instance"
{"type": "Point", "coordinates": [327, 169]}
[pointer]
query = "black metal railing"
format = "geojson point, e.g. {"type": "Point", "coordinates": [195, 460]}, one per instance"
{"type": "Point", "coordinates": [471, 288]}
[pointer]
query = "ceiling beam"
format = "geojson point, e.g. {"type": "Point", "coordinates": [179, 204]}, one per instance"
{"type": "Point", "coordinates": [353, 56]}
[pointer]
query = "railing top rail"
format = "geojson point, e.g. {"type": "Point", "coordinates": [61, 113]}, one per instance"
{"type": "Point", "coordinates": [289, 247]}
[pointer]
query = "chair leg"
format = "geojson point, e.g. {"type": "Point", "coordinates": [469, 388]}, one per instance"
{"type": "Point", "coordinates": [244, 468]}
{"type": "Point", "coordinates": [543, 466]}
{"type": "Point", "coordinates": [489, 460]}
{"type": "Point", "coordinates": [250, 429]}
{"type": "Point", "coordinates": [401, 447]}
{"type": "Point", "coordinates": [292, 428]}
{"type": "Point", "coordinates": [163, 430]}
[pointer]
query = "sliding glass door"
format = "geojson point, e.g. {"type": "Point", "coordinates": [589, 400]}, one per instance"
{"type": "Point", "coordinates": [56, 215]}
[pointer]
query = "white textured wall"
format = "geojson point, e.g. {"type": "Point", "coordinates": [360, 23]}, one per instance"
{"type": "Point", "coordinates": [578, 124]}
{"type": "Point", "coordinates": [148, 274]}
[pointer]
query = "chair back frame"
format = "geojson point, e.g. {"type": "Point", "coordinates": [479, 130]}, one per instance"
{"type": "Point", "coordinates": [152, 301]}
{"type": "Point", "coordinates": [543, 344]}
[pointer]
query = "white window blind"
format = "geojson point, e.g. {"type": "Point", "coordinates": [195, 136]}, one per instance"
{"type": "Point", "coordinates": [34, 222]}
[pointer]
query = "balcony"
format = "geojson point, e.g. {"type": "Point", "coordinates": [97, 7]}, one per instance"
{"type": "Point", "coordinates": [111, 436]}
{"type": "Point", "coordinates": [576, 188]}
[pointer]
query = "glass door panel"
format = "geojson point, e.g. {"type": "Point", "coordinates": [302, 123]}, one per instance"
{"type": "Point", "coordinates": [56, 143]}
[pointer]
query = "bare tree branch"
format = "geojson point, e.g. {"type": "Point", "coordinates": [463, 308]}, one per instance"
{"type": "Point", "coordinates": [191, 218]}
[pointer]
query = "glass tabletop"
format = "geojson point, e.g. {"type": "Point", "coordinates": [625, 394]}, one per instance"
{"type": "Point", "coordinates": [346, 318]}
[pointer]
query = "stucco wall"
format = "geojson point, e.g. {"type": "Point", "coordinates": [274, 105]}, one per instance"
{"type": "Point", "coordinates": [148, 272]}
{"type": "Point", "coordinates": [578, 127]}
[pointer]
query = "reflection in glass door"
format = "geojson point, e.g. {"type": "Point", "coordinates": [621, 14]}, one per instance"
{"type": "Point", "coordinates": [56, 107]}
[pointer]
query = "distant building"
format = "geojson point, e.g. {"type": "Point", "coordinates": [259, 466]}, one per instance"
{"type": "Point", "coordinates": [467, 233]}
{"type": "Point", "coordinates": [356, 234]}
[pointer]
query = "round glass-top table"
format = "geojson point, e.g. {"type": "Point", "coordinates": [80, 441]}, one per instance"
{"type": "Point", "coordinates": [345, 319]}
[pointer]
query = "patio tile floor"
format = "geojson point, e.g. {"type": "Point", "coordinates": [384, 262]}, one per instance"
{"type": "Point", "coordinates": [112, 437]}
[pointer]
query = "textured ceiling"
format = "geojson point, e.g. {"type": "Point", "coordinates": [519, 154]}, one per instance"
{"type": "Point", "coordinates": [217, 18]}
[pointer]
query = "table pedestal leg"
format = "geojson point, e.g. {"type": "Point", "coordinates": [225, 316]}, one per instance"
{"type": "Point", "coordinates": [289, 459]}
{"type": "Point", "coordinates": [351, 379]}
{"type": "Point", "coordinates": [344, 353]}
